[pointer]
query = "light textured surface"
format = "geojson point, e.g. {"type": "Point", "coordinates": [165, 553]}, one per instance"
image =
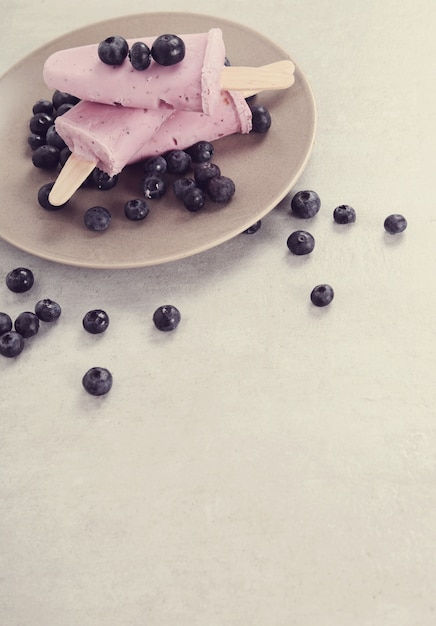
{"type": "Point", "coordinates": [268, 463]}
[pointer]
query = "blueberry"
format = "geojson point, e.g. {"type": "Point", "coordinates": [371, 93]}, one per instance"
{"type": "Point", "coordinates": [35, 141]}
{"type": "Point", "coordinates": [97, 381]}
{"type": "Point", "coordinates": [43, 194]}
{"type": "Point", "coordinates": [166, 317]}
{"type": "Point", "coordinates": [20, 280]}
{"type": "Point", "coordinates": [140, 56]}
{"type": "Point", "coordinates": [53, 138]}
{"type": "Point", "coordinates": [96, 321]}
{"type": "Point", "coordinates": [46, 157]}
{"type": "Point", "coordinates": [322, 295]}
{"type": "Point", "coordinates": [43, 106]}
{"type": "Point", "coordinates": [113, 50]}
{"type": "Point", "coordinates": [102, 180]}
{"type": "Point", "coordinates": [168, 49]}
{"type": "Point", "coordinates": [201, 152]}
{"type": "Point", "coordinates": [155, 165]}
{"type": "Point", "coordinates": [64, 108]}
{"type": "Point", "coordinates": [97, 218]}
{"type": "Point", "coordinates": [181, 186]}
{"type": "Point", "coordinates": [11, 344]}
{"type": "Point", "coordinates": [253, 228]}
{"type": "Point", "coordinates": [300, 242]}
{"type": "Point", "coordinates": [344, 214]}
{"type": "Point", "coordinates": [395, 224]}
{"type": "Point", "coordinates": [64, 156]}
{"type": "Point", "coordinates": [305, 204]}
{"type": "Point", "coordinates": [136, 209]}
{"type": "Point", "coordinates": [27, 324]}
{"type": "Point", "coordinates": [203, 172]}
{"type": "Point", "coordinates": [62, 97]}
{"type": "Point", "coordinates": [221, 189]}
{"type": "Point", "coordinates": [153, 186]}
{"type": "Point", "coordinates": [47, 310]}
{"type": "Point", "coordinates": [261, 118]}
{"type": "Point", "coordinates": [194, 199]}
{"type": "Point", "coordinates": [178, 162]}
{"type": "Point", "coordinates": [40, 123]}
{"type": "Point", "coordinates": [5, 323]}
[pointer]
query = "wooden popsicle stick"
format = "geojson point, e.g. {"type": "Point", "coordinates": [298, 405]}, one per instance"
{"type": "Point", "coordinates": [71, 176]}
{"type": "Point", "coordinates": [278, 75]}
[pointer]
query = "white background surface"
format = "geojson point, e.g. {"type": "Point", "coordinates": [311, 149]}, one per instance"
{"type": "Point", "coordinates": [269, 463]}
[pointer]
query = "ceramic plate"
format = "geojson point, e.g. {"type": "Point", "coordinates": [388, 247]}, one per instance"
{"type": "Point", "coordinates": [264, 167]}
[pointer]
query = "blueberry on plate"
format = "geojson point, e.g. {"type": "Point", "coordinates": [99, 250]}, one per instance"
{"type": "Point", "coordinates": [153, 186]}
{"type": "Point", "coordinates": [97, 381]}
{"type": "Point", "coordinates": [221, 189]}
{"type": "Point", "coordinates": [20, 280]}
{"type": "Point", "coordinates": [35, 141]}
{"type": "Point", "coordinates": [102, 180]}
{"type": "Point", "coordinates": [27, 324]}
{"type": "Point", "coordinates": [178, 162]}
{"type": "Point", "coordinates": [201, 151]}
{"type": "Point", "coordinates": [52, 138]}
{"type": "Point", "coordinates": [261, 118]}
{"type": "Point", "coordinates": [43, 106]}
{"type": "Point", "coordinates": [344, 214]}
{"type": "Point", "coordinates": [203, 172]}
{"type": "Point", "coordinates": [155, 165]}
{"type": "Point", "coordinates": [5, 323]}
{"type": "Point", "coordinates": [305, 204]}
{"type": "Point", "coordinates": [136, 209]}
{"type": "Point", "coordinates": [322, 295]}
{"type": "Point", "coordinates": [300, 242]}
{"type": "Point", "coordinates": [62, 97]}
{"type": "Point", "coordinates": [140, 56]}
{"type": "Point", "coordinates": [63, 108]}
{"type": "Point", "coordinates": [43, 194]}
{"type": "Point", "coordinates": [181, 186]}
{"type": "Point", "coordinates": [194, 199]}
{"type": "Point", "coordinates": [166, 317]}
{"type": "Point", "coordinates": [47, 310]}
{"type": "Point", "coordinates": [253, 228]}
{"type": "Point", "coordinates": [395, 224]}
{"type": "Point", "coordinates": [96, 321]}
{"type": "Point", "coordinates": [113, 50]}
{"type": "Point", "coordinates": [97, 218]}
{"type": "Point", "coordinates": [168, 49]}
{"type": "Point", "coordinates": [40, 123]}
{"type": "Point", "coordinates": [46, 157]}
{"type": "Point", "coordinates": [11, 344]}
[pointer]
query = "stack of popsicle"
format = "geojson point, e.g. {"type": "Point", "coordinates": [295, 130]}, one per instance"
{"type": "Point", "coordinates": [126, 115]}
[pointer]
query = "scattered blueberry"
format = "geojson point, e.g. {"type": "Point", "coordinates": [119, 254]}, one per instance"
{"type": "Point", "coordinates": [96, 321]}
{"type": "Point", "coordinates": [261, 118]}
{"type": "Point", "coordinates": [166, 317]}
{"type": "Point", "coordinates": [395, 224]}
{"type": "Point", "coordinates": [155, 165]}
{"type": "Point", "coordinates": [305, 204]}
{"type": "Point", "coordinates": [194, 199]}
{"type": "Point", "coordinates": [64, 156]}
{"type": "Point", "coordinates": [47, 310]}
{"type": "Point", "coordinates": [322, 295]}
{"type": "Point", "coordinates": [136, 209]}
{"type": "Point", "coordinates": [153, 186]}
{"type": "Point", "coordinates": [97, 218]}
{"type": "Point", "coordinates": [43, 106]}
{"type": "Point", "coordinates": [344, 214]}
{"type": "Point", "coordinates": [168, 49]}
{"type": "Point", "coordinates": [64, 108]}
{"type": "Point", "coordinates": [97, 381]}
{"type": "Point", "coordinates": [113, 50]}
{"type": "Point", "coordinates": [20, 280]}
{"type": "Point", "coordinates": [181, 186]}
{"type": "Point", "coordinates": [102, 180]}
{"type": "Point", "coordinates": [253, 228]}
{"type": "Point", "coordinates": [178, 162]}
{"type": "Point", "coordinates": [43, 194]}
{"type": "Point", "coordinates": [300, 242]}
{"type": "Point", "coordinates": [203, 172]}
{"type": "Point", "coordinates": [40, 123]}
{"type": "Point", "coordinates": [11, 344]}
{"type": "Point", "coordinates": [62, 97]}
{"type": "Point", "coordinates": [221, 189]}
{"type": "Point", "coordinates": [27, 324]}
{"type": "Point", "coordinates": [201, 152]}
{"type": "Point", "coordinates": [45, 157]}
{"type": "Point", "coordinates": [35, 141]}
{"type": "Point", "coordinates": [140, 56]}
{"type": "Point", "coordinates": [53, 138]}
{"type": "Point", "coordinates": [5, 323]}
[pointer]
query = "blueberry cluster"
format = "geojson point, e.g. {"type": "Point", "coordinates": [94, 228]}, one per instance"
{"type": "Point", "coordinates": [167, 49]}
{"type": "Point", "coordinates": [26, 324]}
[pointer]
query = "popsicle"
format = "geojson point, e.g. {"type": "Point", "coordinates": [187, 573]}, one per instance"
{"type": "Point", "coordinates": [193, 84]}
{"type": "Point", "coordinates": [109, 137]}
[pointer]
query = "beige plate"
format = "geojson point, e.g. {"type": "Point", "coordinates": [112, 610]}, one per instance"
{"type": "Point", "coordinates": [264, 167]}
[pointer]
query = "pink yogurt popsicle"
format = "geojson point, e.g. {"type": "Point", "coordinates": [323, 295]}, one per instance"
{"type": "Point", "coordinates": [192, 85]}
